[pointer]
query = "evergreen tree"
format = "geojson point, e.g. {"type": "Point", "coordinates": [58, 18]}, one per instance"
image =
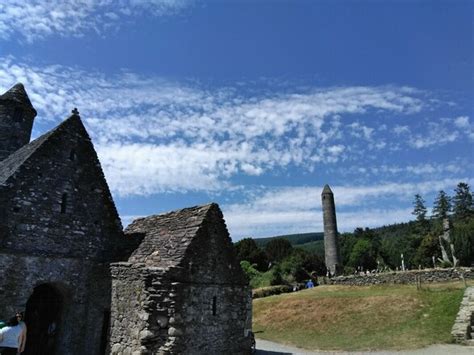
{"type": "Point", "coordinates": [462, 201]}
{"type": "Point", "coordinates": [442, 205]}
{"type": "Point", "coordinates": [419, 208]}
{"type": "Point", "coordinates": [278, 249]}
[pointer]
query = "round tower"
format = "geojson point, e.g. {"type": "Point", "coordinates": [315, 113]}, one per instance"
{"type": "Point", "coordinates": [331, 244]}
{"type": "Point", "coordinates": [16, 120]}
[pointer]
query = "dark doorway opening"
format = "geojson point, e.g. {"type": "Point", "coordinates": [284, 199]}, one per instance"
{"type": "Point", "coordinates": [42, 317]}
{"type": "Point", "coordinates": [104, 340]}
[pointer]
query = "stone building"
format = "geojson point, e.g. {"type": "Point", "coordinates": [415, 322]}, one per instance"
{"type": "Point", "coordinates": [332, 254]}
{"type": "Point", "coordinates": [59, 233]}
{"type": "Point", "coordinates": [183, 308]}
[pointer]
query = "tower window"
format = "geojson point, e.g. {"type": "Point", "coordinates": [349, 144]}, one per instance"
{"type": "Point", "coordinates": [72, 155]}
{"type": "Point", "coordinates": [214, 305]}
{"type": "Point", "coordinates": [63, 203]}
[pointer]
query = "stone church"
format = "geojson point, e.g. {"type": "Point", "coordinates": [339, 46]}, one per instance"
{"type": "Point", "coordinates": [168, 284]}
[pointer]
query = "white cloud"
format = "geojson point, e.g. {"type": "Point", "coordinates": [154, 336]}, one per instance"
{"type": "Point", "coordinates": [154, 135]}
{"type": "Point", "coordinates": [298, 209]}
{"type": "Point", "coordinates": [462, 122]}
{"type": "Point", "coordinates": [37, 19]}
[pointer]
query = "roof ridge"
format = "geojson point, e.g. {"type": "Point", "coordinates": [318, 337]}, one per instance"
{"type": "Point", "coordinates": [11, 164]}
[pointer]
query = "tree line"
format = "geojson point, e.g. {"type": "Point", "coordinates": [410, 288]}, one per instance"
{"type": "Point", "coordinates": [374, 249]}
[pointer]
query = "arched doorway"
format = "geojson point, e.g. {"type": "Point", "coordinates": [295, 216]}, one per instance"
{"type": "Point", "coordinates": [42, 317]}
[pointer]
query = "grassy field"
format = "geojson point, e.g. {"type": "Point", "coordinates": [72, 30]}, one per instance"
{"type": "Point", "coordinates": [360, 318]}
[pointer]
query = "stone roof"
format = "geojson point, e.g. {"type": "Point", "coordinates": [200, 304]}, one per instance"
{"type": "Point", "coordinates": [18, 94]}
{"type": "Point", "coordinates": [326, 189]}
{"type": "Point", "coordinates": [10, 165]}
{"type": "Point", "coordinates": [168, 236]}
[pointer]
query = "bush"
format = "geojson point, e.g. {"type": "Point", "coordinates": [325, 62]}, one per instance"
{"type": "Point", "coordinates": [270, 291]}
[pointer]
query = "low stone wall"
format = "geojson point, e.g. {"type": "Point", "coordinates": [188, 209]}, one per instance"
{"type": "Point", "coordinates": [405, 277]}
{"type": "Point", "coordinates": [463, 328]}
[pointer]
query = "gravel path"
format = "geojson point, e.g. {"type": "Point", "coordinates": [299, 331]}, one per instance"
{"type": "Point", "coordinates": [265, 347]}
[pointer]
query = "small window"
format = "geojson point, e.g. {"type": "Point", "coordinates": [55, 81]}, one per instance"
{"type": "Point", "coordinates": [18, 113]}
{"type": "Point", "coordinates": [63, 203]}
{"type": "Point", "coordinates": [72, 155]}
{"type": "Point", "coordinates": [214, 305]}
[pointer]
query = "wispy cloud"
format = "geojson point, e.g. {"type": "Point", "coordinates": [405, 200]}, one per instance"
{"type": "Point", "coordinates": [155, 136]}
{"type": "Point", "coordinates": [37, 19]}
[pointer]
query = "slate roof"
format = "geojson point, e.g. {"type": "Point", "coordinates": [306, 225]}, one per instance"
{"type": "Point", "coordinates": [18, 94]}
{"type": "Point", "coordinates": [10, 165]}
{"type": "Point", "coordinates": [167, 236]}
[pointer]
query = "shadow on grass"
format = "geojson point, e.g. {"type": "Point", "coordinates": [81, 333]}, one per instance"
{"type": "Point", "coordinates": [265, 352]}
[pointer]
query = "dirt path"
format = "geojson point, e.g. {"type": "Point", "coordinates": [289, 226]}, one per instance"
{"type": "Point", "coordinates": [265, 347]}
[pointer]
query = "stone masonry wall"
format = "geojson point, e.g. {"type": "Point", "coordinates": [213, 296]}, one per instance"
{"type": "Point", "coordinates": [405, 277]}
{"type": "Point", "coordinates": [16, 121]}
{"type": "Point", "coordinates": [154, 314]}
{"type": "Point", "coordinates": [463, 329]}
{"type": "Point", "coordinates": [59, 206]}
{"type": "Point", "coordinates": [84, 288]}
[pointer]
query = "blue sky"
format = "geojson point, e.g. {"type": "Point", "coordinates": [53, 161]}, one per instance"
{"type": "Point", "coordinates": [256, 104]}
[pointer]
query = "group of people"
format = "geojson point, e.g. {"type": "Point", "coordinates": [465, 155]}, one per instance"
{"type": "Point", "coordinates": [13, 336]}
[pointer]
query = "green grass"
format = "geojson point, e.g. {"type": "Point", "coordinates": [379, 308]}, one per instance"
{"type": "Point", "coordinates": [360, 318]}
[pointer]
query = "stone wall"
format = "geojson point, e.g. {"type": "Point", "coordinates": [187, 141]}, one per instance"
{"type": "Point", "coordinates": [404, 277]}
{"type": "Point", "coordinates": [463, 329]}
{"type": "Point", "coordinates": [16, 120]}
{"type": "Point", "coordinates": [153, 313]}
{"type": "Point", "coordinates": [84, 288]}
{"type": "Point", "coordinates": [59, 204]}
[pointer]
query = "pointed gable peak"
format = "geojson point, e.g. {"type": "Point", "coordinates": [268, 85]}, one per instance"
{"type": "Point", "coordinates": [327, 189]}
{"type": "Point", "coordinates": [18, 94]}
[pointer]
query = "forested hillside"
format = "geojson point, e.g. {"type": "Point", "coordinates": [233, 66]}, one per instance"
{"type": "Point", "coordinates": [298, 257]}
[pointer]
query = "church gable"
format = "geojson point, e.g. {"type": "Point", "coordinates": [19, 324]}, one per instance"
{"type": "Point", "coordinates": [57, 199]}
{"type": "Point", "coordinates": [193, 239]}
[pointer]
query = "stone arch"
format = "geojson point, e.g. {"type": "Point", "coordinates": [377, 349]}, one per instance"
{"type": "Point", "coordinates": [44, 318]}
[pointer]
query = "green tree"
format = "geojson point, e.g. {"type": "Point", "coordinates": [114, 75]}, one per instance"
{"type": "Point", "coordinates": [365, 250]}
{"type": "Point", "coordinates": [463, 240]}
{"type": "Point", "coordinates": [278, 249]}
{"type": "Point", "coordinates": [419, 208]}
{"type": "Point", "coordinates": [462, 201]}
{"type": "Point", "coordinates": [300, 265]}
{"type": "Point", "coordinates": [247, 249]}
{"type": "Point", "coordinates": [442, 205]}
{"type": "Point", "coordinates": [428, 248]}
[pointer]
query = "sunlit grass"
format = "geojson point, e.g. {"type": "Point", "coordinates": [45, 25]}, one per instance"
{"type": "Point", "coordinates": [360, 318]}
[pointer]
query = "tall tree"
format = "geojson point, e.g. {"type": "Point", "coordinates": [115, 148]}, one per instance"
{"type": "Point", "coordinates": [278, 249]}
{"type": "Point", "coordinates": [247, 249]}
{"type": "Point", "coordinates": [419, 208]}
{"type": "Point", "coordinates": [442, 205]}
{"type": "Point", "coordinates": [462, 201]}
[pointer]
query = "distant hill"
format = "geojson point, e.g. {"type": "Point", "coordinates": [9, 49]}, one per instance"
{"type": "Point", "coordinates": [297, 240]}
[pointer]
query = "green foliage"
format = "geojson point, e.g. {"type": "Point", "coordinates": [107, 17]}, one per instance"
{"type": "Point", "coordinates": [462, 201]}
{"type": "Point", "coordinates": [463, 240]}
{"type": "Point", "coordinates": [419, 208]}
{"type": "Point", "coordinates": [428, 248]}
{"type": "Point", "coordinates": [278, 249]}
{"type": "Point", "coordinates": [442, 205]}
{"type": "Point", "coordinates": [249, 270]}
{"type": "Point", "coordinates": [365, 249]}
{"type": "Point", "coordinates": [247, 249]}
{"type": "Point", "coordinates": [302, 265]}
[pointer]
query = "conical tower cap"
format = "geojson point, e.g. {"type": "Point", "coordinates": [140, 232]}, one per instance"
{"type": "Point", "coordinates": [326, 189]}
{"type": "Point", "coordinates": [18, 94]}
